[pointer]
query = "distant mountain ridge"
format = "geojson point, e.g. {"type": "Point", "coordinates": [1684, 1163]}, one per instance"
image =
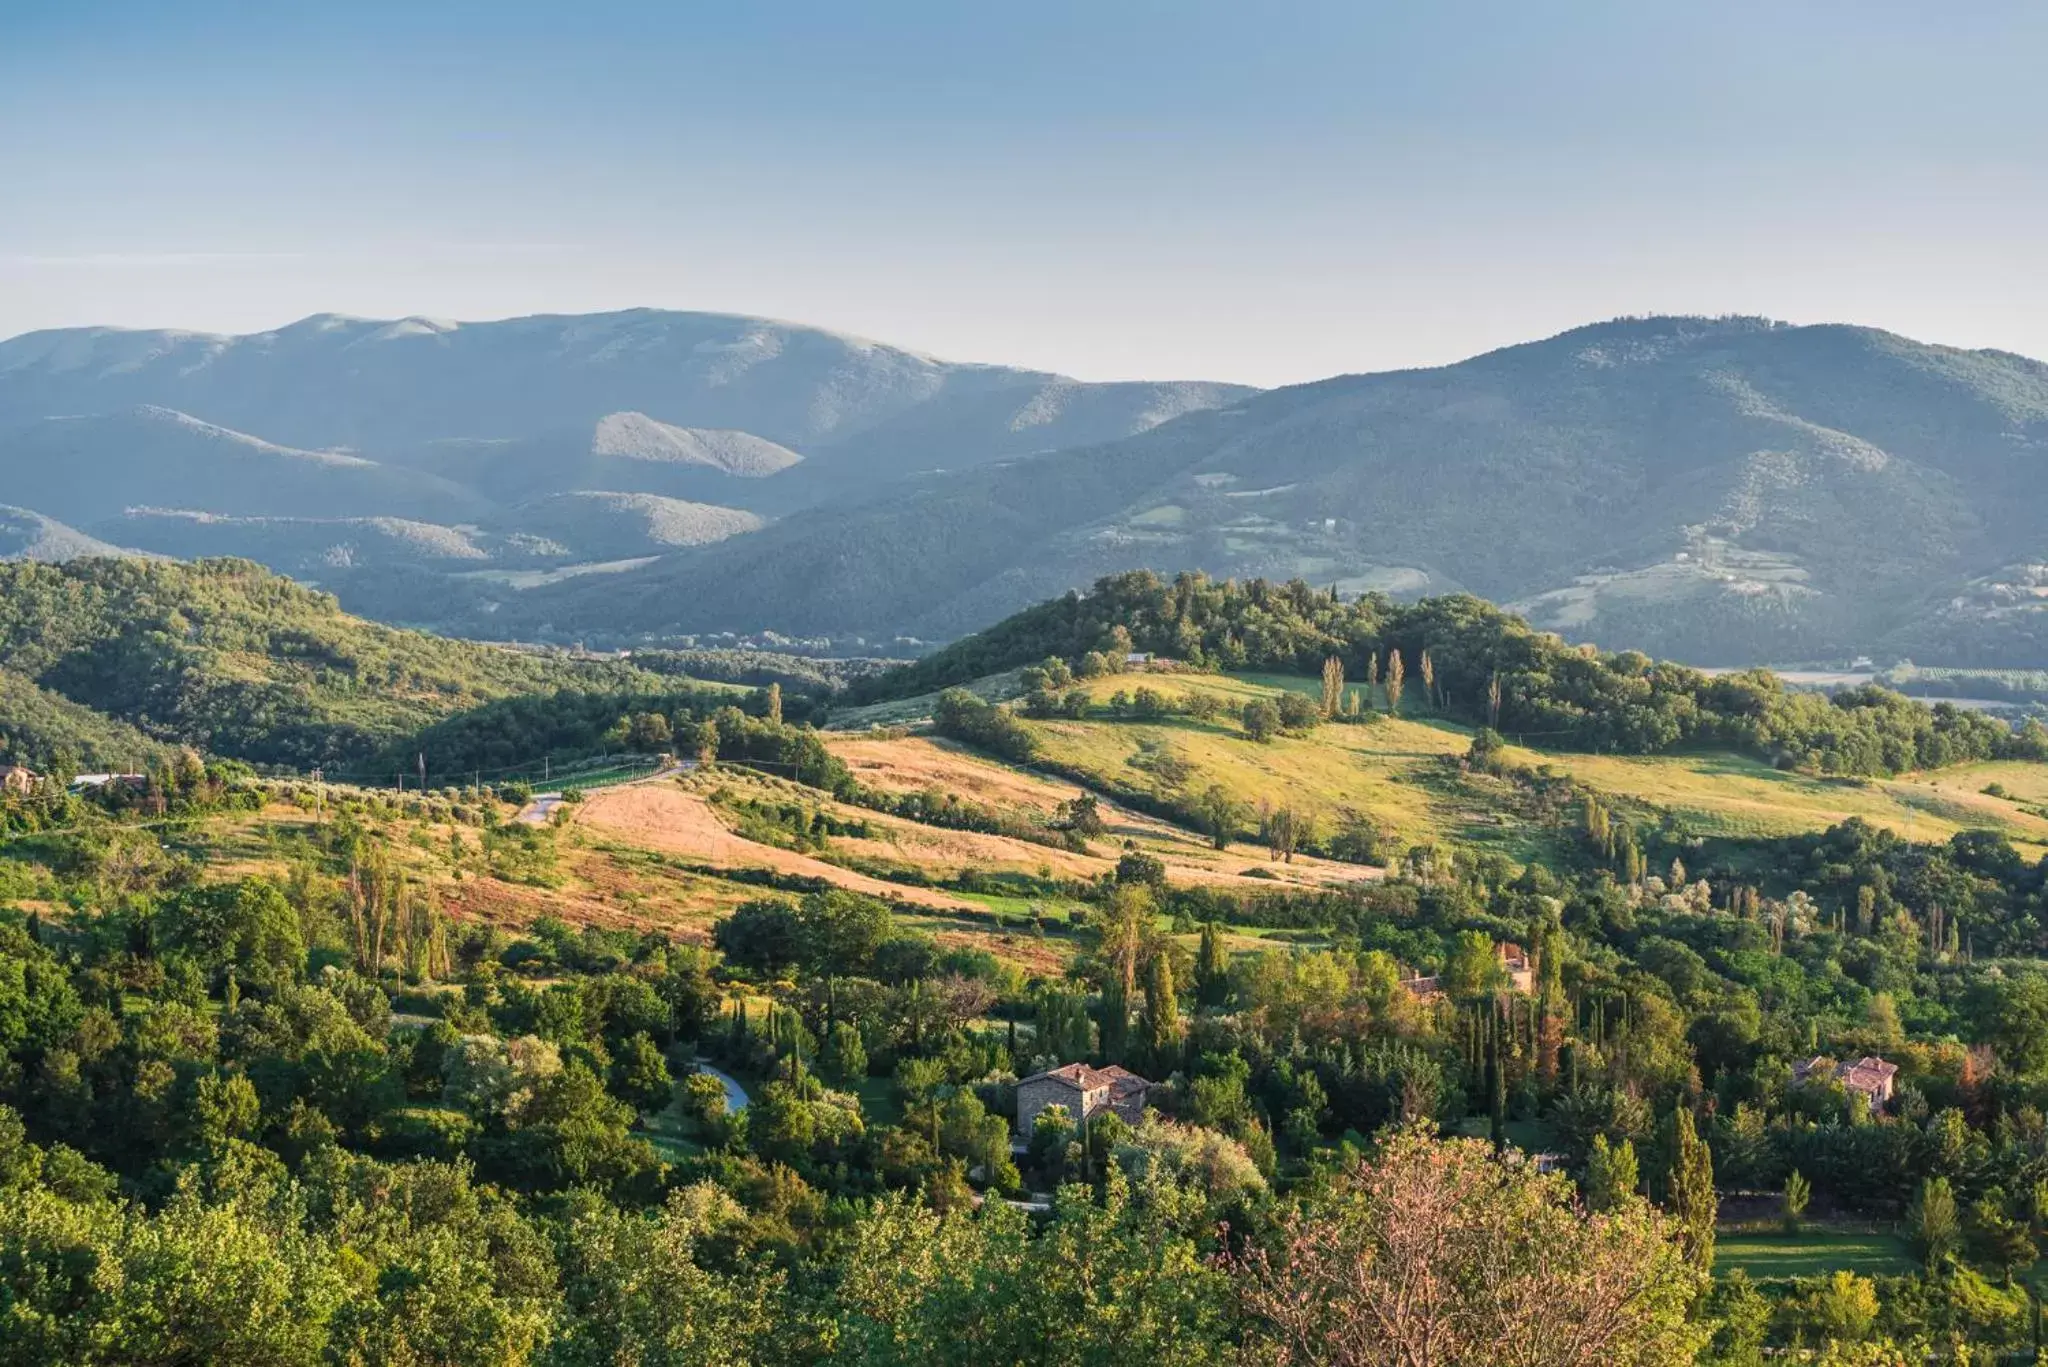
{"type": "Point", "coordinates": [1718, 490]}
{"type": "Point", "coordinates": [26, 535]}
{"type": "Point", "coordinates": [383, 385]}
{"type": "Point", "coordinates": [658, 429]}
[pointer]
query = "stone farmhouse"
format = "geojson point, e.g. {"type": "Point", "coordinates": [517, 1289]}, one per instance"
{"type": "Point", "coordinates": [1085, 1092]}
{"type": "Point", "coordinates": [1515, 965]}
{"type": "Point", "coordinates": [1870, 1076]}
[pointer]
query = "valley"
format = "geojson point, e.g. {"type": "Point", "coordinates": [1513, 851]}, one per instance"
{"type": "Point", "coordinates": [882, 904]}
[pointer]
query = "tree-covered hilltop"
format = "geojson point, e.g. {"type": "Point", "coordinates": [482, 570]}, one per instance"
{"type": "Point", "coordinates": [226, 657]}
{"type": "Point", "coordinates": [1465, 658]}
{"type": "Point", "coordinates": [50, 734]}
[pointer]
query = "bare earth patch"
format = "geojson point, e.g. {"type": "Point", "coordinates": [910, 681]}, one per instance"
{"type": "Point", "coordinates": [662, 816]}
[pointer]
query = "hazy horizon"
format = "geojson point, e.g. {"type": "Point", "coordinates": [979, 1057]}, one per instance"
{"type": "Point", "coordinates": [858, 335]}
{"type": "Point", "coordinates": [1134, 191]}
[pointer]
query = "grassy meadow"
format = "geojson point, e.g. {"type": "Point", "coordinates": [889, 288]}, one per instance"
{"type": "Point", "coordinates": [1391, 769]}
{"type": "Point", "coordinates": [1813, 1252]}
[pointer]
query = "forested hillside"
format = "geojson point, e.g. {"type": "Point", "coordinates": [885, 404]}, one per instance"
{"type": "Point", "coordinates": [49, 733]}
{"type": "Point", "coordinates": [1466, 658]}
{"type": "Point", "coordinates": [302, 1075]}
{"type": "Point", "coordinates": [232, 660]}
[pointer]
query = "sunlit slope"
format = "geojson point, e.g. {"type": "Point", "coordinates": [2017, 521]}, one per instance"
{"type": "Point", "coordinates": [1394, 771]}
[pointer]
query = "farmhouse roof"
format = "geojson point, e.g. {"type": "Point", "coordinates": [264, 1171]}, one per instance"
{"type": "Point", "coordinates": [1867, 1074]}
{"type": "Point", "coordinates": [1081, 1077]}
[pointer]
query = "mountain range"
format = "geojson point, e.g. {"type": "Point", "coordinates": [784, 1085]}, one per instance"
{"type": "Point", "coordinates": [1716, 490]}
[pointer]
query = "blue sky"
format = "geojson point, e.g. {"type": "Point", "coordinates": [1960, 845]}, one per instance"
{"type": "Point", "coordinates": [1266, 192]}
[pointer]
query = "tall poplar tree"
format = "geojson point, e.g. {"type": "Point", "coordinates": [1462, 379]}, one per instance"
{"type": "Point", "coordinates": [1692, 1200]}
{"type": "Point", "coordinates": [1162, 1010]}
{"type": "Point", "coordinates": [1212, 969]}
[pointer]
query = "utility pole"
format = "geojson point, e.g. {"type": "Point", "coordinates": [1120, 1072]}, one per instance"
{"type": "Point", "coordinates": [423, 772]}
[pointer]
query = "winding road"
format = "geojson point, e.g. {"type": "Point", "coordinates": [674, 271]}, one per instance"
{"type": "Point", "coordinates": [735, 1095]}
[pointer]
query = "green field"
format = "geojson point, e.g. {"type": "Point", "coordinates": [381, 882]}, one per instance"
{"type": "Point", "coordinates": [1813, 1253]}
{"type": "Point", "coordinates": [1732, 795]}
{"type": "Point", "coordinates": [1392, 770]}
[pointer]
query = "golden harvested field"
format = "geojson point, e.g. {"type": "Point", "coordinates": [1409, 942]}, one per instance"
{"type": "Point", "coordinates": [662, 816]}
{"type": "Point", "coordinates": [1392, 770]}
{"type": "Point", "coordinates": [1730, 795]}
{"type": "Point", "coordinates": [944, 852]}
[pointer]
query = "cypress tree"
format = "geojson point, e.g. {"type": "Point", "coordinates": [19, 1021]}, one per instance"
{"type": "Point", "coordinates": [1162, 1009]}
{"type": "Point", "coordinates": [1611, 1176]}
{"type": "Point", "coordinates": [1116, 1020]}
{"type": "Point", "coordinates": [1692, 1200]}
{"type": "Point", "coordinates": [1212, 971]}
{"type": "Point", "coordinates": [1497, 1093]}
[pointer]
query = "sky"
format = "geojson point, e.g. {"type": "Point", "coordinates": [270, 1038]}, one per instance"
{"type": "Point", "coordinates": [1266, 192]}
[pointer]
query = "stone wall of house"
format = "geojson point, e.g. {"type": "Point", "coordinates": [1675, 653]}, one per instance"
{"type": "Point", "coordinates": [1037, 1094]}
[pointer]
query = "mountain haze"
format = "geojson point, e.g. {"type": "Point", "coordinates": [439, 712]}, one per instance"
{"type": "Point", "coordinates": [1716, 490]}
{"type": "Point", "coordinates": [386, 386]}
{"type": "Point", "coordinates": [1720, 490]}
{"type": "Point", "coordinates": [84, 469]}
{"type": "Point", "coordinates": [31, 536]}
{"type": "Point", "coordinates": [385, 457]}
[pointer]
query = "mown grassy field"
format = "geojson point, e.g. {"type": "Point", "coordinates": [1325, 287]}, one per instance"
{"type": "Point", "coordinates": [1392, 770]}
{"type": "Point", "coordinates": [1811, 1253]}
{"type": "Point", "coordinates": [1735, 796]}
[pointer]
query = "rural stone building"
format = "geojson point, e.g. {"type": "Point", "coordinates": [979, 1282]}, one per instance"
{"type": "Point", "coordinates": [1086, 1092]}
{"type": "Point", "coordinates": [1515, 965]}
{"type": "Point", "coordinates": [1870, 1076]}
{"type": "Point", "coordinates": [15, 779]}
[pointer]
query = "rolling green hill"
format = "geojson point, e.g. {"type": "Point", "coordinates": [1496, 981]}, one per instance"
{"type": "Point", "coordinates": [46, 731]}
{"type": "Point", "coordinates": [231, 659]}
{"type": "Point", "coordinates": [1471, 661]}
